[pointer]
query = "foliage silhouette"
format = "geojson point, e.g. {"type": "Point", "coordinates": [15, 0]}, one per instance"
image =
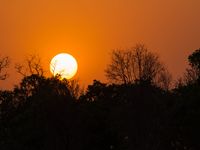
{"type": "Point", "coordinates": [192, 74]}
{"type": "Point", "coordinates": [44, 114]}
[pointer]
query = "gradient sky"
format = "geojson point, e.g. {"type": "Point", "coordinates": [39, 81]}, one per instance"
{"type": "Point", "coordinates": [90, 29]}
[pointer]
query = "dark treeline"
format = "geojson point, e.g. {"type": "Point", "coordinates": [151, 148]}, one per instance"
{"type": "Point", "coordinates": [136, 111]}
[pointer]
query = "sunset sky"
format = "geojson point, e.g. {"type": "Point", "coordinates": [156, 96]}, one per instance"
{"type": "Point", "coordinates": [90, 29]}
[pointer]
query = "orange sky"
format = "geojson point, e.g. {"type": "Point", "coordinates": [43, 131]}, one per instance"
{"type": "Point", "coordinates": [90, 29]}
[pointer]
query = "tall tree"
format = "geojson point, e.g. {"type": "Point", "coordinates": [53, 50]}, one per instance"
{"type": "Point", "coordinates": [136, 64]}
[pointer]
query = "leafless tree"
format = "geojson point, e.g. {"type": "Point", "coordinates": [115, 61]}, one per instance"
{"type": "Point", "coordinates": [32, 65]}
{"type": "Point", "coordinates": [4, 63]}
{"type": "Point", "coordinates": [136, 64]}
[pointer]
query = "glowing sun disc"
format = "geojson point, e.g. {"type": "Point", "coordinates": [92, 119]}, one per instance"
{"type": "Point", "coordinates": [64, 65]}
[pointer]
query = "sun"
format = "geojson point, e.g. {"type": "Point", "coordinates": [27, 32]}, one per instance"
{"type": "Point", "coordinates": [64, 65]}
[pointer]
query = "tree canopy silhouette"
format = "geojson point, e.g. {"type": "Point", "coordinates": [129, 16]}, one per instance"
{"type": "Point", "coordinates": [194, 60]}
{"type": "Point", "coordinates": [192, 73]}
{"type": "Point", "coordinates": [49, 114]}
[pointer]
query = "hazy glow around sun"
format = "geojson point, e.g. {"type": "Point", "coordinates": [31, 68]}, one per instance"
{"type": "Point", "coordinates": [64, 65]}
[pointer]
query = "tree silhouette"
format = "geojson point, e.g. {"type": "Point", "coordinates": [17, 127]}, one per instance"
{"type": "Point", "coordinates": [41, 115]}
{"type": "Point", "coordinates": [194, 60]}
{"type": "Point", "coordinates": [50, 114]}
{"type": "Point", "coordinates": [185, 120]}
{"type": "Point", "coordinates": [192, 73]}
{"type": "Point", "coordinates": [137, 64]}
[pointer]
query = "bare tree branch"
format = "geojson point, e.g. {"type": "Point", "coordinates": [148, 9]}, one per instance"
{"type": "Point", "coordinates": [135, 64]}
{"type": "Point", "coordinates": [32, 65]}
